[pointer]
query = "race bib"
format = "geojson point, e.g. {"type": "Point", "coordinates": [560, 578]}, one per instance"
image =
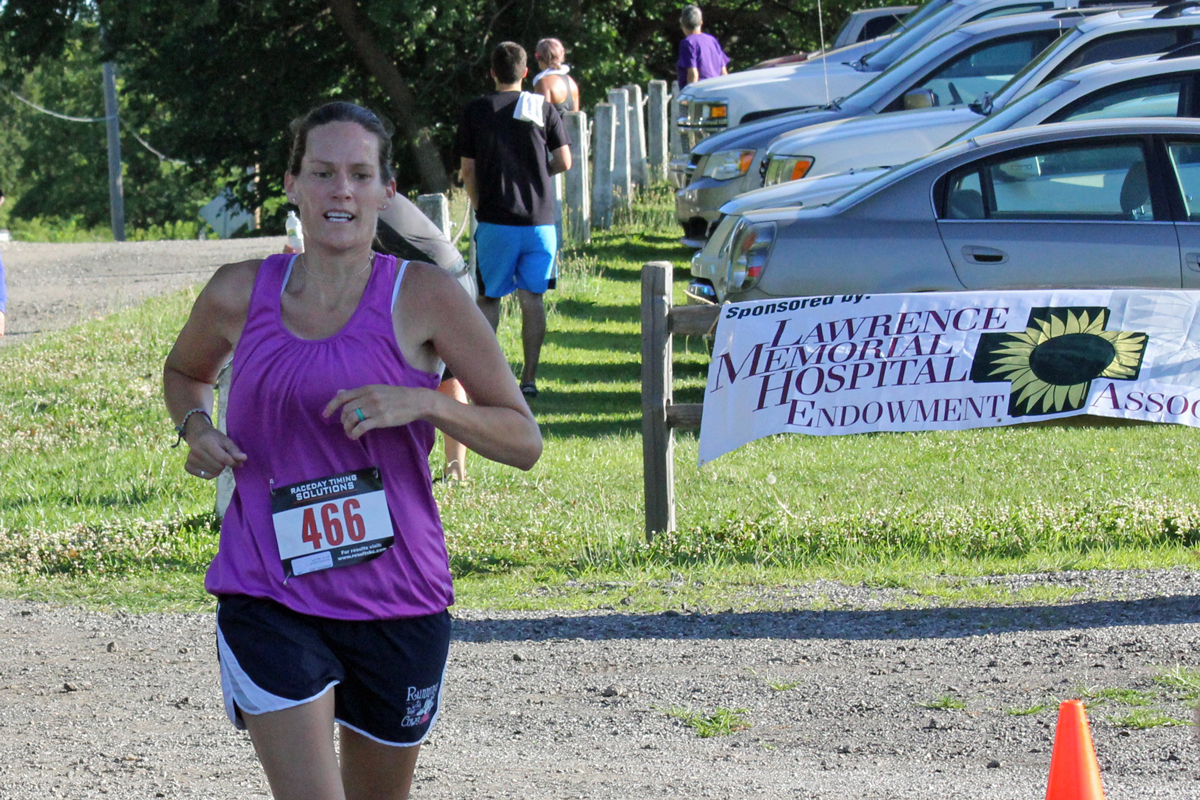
{"type": "Point", "coordinates": [331, 522]}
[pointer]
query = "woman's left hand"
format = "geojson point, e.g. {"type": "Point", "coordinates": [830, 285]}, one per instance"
{"type": "Point", "coordinates": [376, 406]}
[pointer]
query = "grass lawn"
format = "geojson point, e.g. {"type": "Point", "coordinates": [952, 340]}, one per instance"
{"type": "Point", "coordinates": [95, 507]}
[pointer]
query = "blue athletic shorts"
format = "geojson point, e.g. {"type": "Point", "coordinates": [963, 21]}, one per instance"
{"type": "Point", "coordinates": [511, 257]}
{"type": "Point", "coordinates": [386, 675]}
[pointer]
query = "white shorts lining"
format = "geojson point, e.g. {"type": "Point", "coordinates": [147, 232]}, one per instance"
{"type": "Point", "coordinates": [240, 692]}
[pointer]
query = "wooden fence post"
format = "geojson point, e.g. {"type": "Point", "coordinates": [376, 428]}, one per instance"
{"type": "Point", "coordinates": [579, 211]}
{"type": "Point", "coordinates": [658, 441]}
{"type": "Point", "coordinates": [602, 183]}
{"type": "Point", "coordinates": [637, 137]}
{"type": "Point", "coordinates": [676, 143]}
{"type": "Point", "coordinates": [656, 132]}
{"type": "Point", "coordinates": [437, 208]}
{"type": "Point", "coordinates": [621, 178]}
{"type": "Point", "coordinates": [660, 414]}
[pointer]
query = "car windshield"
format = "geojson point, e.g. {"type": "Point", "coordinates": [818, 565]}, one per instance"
{"type": "Point", "coordinates": [918, 15]}
{"type": "Point", "coordinates": [915, 32]}
{"type": "Point", "coordinates": [890, 176]}
{"type": "Point", "coordinates": [1016, 83]}
{"type": "Point", "coordinates": [878, 86]}
{"type": "Point", "coordinates": [1009, 116]}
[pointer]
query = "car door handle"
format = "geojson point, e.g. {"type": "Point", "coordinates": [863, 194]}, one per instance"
{"type": "Point", "coordinates": [984, 255]}
{"type": "Point", "coordinates": [1192, 260]}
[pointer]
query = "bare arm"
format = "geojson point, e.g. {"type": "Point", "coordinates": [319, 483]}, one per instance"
{"type": "Point", "coordinates": [1, 323]}
{"type": "Point", "coordinates": [693, 74]}
{"type": "Point", "coordinates": [724, 70]}
{"type": "Point", "coordinates": [191, 369]}
{"type": "Point", "coordinates": [542, 87]}
{"type": "Point", "coordinates": [436, 319]}
{"type": "Point", "coordinates": [467, 169]}
{"type": "Point", "coordinates": [560, 161]}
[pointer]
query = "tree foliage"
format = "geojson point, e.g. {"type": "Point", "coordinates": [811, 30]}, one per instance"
{"type": "Point", "coordinates": [58, 168]}
{"type": "Point", "coordinates": [217, 81]}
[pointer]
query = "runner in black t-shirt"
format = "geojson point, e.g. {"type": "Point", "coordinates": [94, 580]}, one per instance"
{"type": "Point", "coordinates": [510, 143]}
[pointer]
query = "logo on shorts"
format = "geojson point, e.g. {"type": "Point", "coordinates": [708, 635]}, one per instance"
{"type": "Point", "coordinates": [421, 703]}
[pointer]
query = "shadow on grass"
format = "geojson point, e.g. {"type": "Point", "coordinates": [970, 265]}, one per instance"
{"type": "Point", "coordinates": [589, 429]}
{"type": "Point", "coordinates": [630, 343]}
{"type": "Point", "coordinates": [940, 623]}
{"type": "Point", "coordinates": [591, 373]}
{"type": "Point", "coordinates": [594, 312]}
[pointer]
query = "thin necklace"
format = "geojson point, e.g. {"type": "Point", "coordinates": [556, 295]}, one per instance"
{"type": "Point", "coordinates": [326, 281]}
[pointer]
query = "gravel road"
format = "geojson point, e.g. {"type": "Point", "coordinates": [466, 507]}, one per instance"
{"type": "Point", "coordinates": [835, 683]}
{"type": "Point", "coordinates": [52, 286]}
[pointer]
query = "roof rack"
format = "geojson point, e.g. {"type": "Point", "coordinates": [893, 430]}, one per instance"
{"type": "Point", "coordinates": [1175, 10]}
{"type": "Point", "coordinates": [1182, 51]}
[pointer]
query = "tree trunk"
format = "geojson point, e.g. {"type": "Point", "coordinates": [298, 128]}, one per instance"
{"type": "Point", "coordinates": [401, 103]}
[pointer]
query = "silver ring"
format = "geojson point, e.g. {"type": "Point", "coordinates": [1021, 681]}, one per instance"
{"type": "Point", "coordinates": [361, 417]}
{"type": "Point", "coordinates": [203, 473]}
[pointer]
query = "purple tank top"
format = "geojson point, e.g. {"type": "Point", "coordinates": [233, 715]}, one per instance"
{"type": "Point", "coordinates": [278, 387]}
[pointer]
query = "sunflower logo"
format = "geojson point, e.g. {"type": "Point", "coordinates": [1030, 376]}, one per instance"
{"type": "Point", "coordinates": [1052, 363]}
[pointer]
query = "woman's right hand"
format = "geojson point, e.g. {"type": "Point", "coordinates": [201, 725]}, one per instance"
{"type": "Point", "coordinates": [211, 452]}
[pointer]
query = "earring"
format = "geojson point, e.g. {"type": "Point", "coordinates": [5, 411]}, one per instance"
{"type": "Point", "coordinates": [384, 206]}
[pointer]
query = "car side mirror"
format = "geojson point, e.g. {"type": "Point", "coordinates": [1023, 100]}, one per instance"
{"type": "Point", "coordinates": [920, 98]}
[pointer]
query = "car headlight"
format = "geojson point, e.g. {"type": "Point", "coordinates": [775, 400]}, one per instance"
{"type": "Point", "coordinates": [684, 109]}
{"type": "Point", "coordinates": [710, 112]}
{"type": "Point", "coordinates": [749, 253]}
{"type": "Point", "coordinates": [728, 164]}
{"type": "Point", "coordinates": [781, 169]}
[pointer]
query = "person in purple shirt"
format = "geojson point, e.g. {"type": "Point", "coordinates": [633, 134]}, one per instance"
{"type": "Point", "coordinates": [700, 54]}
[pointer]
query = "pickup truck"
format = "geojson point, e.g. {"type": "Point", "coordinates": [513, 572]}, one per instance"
{"type": "Point", "coordinates": [861, 26]}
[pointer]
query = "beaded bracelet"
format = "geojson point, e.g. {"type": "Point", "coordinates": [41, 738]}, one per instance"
{"type": "Point", "coordinates": [181, 426]}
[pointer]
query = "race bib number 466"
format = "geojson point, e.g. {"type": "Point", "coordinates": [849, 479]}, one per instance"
{"type": "Point", "coordinates": [331, 522]}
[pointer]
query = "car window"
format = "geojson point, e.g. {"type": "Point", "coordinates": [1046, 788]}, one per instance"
{"type": "Point", "coordinates": [1004, 11]}
{"type": "Point", "coordinates": [1185, 160]}
{"type": "Point", "coordinates": [1017, 82]}
{"type": "Point", "coordinates": [1126, 45]}
{"type": "Point", "coordinates": [916, 31]}
{"type": "Point", "coordinates": [1058, 182]}
{"type": "Point", "coordinates": [1008, 116]}
{"type": "Point", "coordinates": [1159, 98]}
{"type": "Point", "coordinates": [984, 68]}
{"type": "Point", "coordinates": [878, 26]}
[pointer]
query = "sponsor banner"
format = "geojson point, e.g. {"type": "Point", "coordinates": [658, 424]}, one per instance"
{"type": "Point", "coordinates": [949, 360]}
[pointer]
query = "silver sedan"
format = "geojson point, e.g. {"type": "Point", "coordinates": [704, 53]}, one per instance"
{"type": "Point", "coordinates": [1106, 203]}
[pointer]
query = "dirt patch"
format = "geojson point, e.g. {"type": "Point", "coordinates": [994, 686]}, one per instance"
{"type": "Point", "coordinates": [853, 700]}
{"type": "Point", "coordinates": [54, 286]}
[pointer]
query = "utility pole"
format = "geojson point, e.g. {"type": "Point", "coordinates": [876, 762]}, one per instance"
{"type": "Point", "coordinates": [116, 190]}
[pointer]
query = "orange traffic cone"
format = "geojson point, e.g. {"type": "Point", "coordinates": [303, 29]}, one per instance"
{"type": "Point", "coordinates": [1074, 772]}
